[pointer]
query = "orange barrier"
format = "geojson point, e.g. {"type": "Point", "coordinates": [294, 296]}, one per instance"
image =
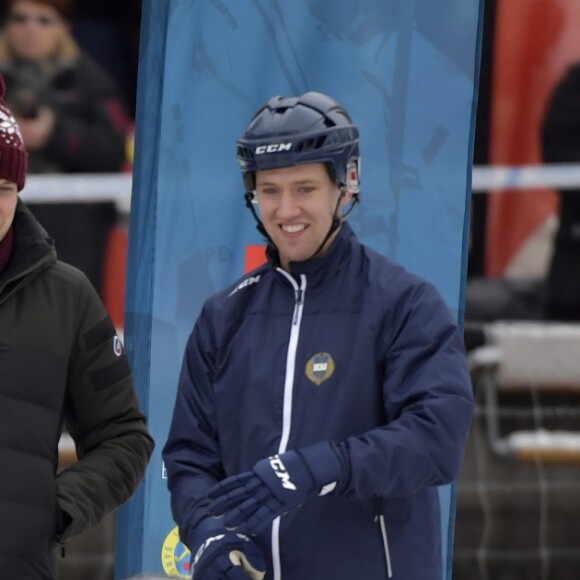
{"type": "Point", "coordinates": [255, 257]}
{"type": "Point", "coordinates": [114, 274]}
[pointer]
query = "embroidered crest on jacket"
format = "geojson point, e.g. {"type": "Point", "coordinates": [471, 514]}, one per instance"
{"type": "Point", "coordinates": [320, 367]}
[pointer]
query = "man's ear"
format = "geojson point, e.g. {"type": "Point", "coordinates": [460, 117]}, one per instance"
{"type": "Point", "coordinates": [345, 196]}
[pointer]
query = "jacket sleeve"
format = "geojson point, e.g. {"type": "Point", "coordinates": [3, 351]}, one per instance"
{"type": "Point", "coordinates": [428, 402]}
{"type": "Point", "coordinates": [102, 415]}
{"type": "Point", "coordinates": [191, 453]}
{"type": "Point", "coordinates": [90, 137]}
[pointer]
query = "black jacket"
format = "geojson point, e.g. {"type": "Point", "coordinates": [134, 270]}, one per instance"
{"type": "Point", "coordinates": [61, 363]}
{"type": "Point", "coordinates": [561, 144]}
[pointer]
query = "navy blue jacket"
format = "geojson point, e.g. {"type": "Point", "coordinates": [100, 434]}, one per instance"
{"type": "Point", "coordinates": [351, 349]}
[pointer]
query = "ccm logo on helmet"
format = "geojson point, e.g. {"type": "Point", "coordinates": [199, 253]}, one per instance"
{"type": "Point", "coordinates": [274, 148]}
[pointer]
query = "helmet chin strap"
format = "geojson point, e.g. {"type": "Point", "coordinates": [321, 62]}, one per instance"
{"type": "Point", "coordinates": [249, 196]}
{"type": "Point", "coordinates": [336, 221]}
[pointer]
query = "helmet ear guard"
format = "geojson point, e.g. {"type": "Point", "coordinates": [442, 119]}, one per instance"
{"type": "Point", "coordinates": [249, 178]}
{"type": "Point", "coordinates": [352, 183]}
{"type": "Point", "coordinates": [250, 197]}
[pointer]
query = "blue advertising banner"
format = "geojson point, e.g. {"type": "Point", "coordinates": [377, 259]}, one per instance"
{"type": "Point", "coordinates": [407, 72]}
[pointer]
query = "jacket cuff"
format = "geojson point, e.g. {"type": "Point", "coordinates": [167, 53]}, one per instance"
{"type": "Point", "coordinates": [341, 451]}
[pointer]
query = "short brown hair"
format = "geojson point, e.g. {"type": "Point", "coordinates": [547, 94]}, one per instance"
{"type": "Point", "coordinates": [63, 7]}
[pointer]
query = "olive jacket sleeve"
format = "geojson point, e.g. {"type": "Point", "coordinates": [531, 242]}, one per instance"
{"type": "Point", "coordinates": [101, 413]}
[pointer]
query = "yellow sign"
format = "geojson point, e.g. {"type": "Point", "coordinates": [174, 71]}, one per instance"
{"type": "Point", "coordinates": [175, 556]}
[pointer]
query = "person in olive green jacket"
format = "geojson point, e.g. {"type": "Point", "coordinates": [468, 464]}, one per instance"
{"type": "Point", "coordinates": [62, 365]}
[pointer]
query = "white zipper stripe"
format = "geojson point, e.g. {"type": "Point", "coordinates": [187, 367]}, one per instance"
{"type": "Point", "coordinates": [287, 409]}
{"type": "Point", "coordinates": [276, 565]}
{"type": "Point", "coordinates": [291, 365]}
{"type": "Point", "coordinates": [386, 546]}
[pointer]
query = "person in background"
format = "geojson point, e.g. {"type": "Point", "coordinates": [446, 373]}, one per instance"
{"type": "Point", "coordinates": [62, 365]}
{"type": "Point", "coordinates": [325, 395]}
{"type": "Point", "coordinates": [109, 31]}
{"type": "Point", "coordinates": [561, 144]}
{"type": "Point", "coordinates": [72, 121]}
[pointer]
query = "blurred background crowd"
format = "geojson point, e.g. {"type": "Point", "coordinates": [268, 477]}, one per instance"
{"type": "Point", "coordinates": [71, 74]}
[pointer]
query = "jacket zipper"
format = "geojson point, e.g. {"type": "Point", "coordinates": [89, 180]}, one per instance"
{"type": "Point", "coordinates": [386, 546]}
{"type": "Point", "coordinates": [299, 292]}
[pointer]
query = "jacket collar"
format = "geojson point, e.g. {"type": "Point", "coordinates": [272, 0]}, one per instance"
{"type": "Point", "coordinates": [6, 248]}
{"type": "Point", "coordinates": [319, 270]}
{"type": "Point", "coordinates": [32, 250]}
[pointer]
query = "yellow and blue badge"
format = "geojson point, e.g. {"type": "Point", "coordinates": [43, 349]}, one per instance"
{"type": "Point", "coordinates": [175, 556]}
{"type": "Point", "coordinates": [319, 368]}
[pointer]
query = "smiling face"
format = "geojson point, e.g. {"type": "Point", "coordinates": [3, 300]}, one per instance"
{"type": "Point", "coordinates": [297, 205]}
{"type": "Point", "coordinates": [8, 199]}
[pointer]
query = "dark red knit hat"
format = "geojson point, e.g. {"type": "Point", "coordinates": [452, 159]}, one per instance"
{"type": "Point", "coordinates": [13, 156]}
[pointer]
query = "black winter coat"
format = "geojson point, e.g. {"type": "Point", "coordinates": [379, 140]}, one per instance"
{"type": "Point", "coordinates": [61, 363]}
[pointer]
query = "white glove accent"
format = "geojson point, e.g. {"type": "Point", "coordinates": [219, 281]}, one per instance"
{"type": "Point", "coordinates": [238, 558]}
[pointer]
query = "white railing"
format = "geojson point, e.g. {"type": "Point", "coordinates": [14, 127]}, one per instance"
{"type": "Point", "coordinates": [80, 187]}
{"type": "Point", "coordinates": [499, 177]}
{"type": "Point", "coordinates": [117, 186]}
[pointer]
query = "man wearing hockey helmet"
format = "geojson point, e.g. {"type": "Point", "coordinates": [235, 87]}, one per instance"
{"type": "Point", "coordinates": [325, 395]}
{"type": "Point", "coordinates": [309, 147]}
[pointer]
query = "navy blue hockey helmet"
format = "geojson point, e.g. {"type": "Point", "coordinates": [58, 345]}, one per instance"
{"type": "Point", "coordinates": [312, 128]}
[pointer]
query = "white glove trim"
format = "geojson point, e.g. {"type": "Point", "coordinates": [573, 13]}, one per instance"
{"type": "Point", "coordinates": [238, 558]}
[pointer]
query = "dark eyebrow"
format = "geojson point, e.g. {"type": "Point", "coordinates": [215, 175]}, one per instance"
{"type": "Point", "coordinates": [308, 181]}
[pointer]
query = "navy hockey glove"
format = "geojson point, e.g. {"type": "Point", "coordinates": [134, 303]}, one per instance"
{"type": "Point", "coordinates": [220, 554]}
{"type": "Point", "coordinates": [250, 501]}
